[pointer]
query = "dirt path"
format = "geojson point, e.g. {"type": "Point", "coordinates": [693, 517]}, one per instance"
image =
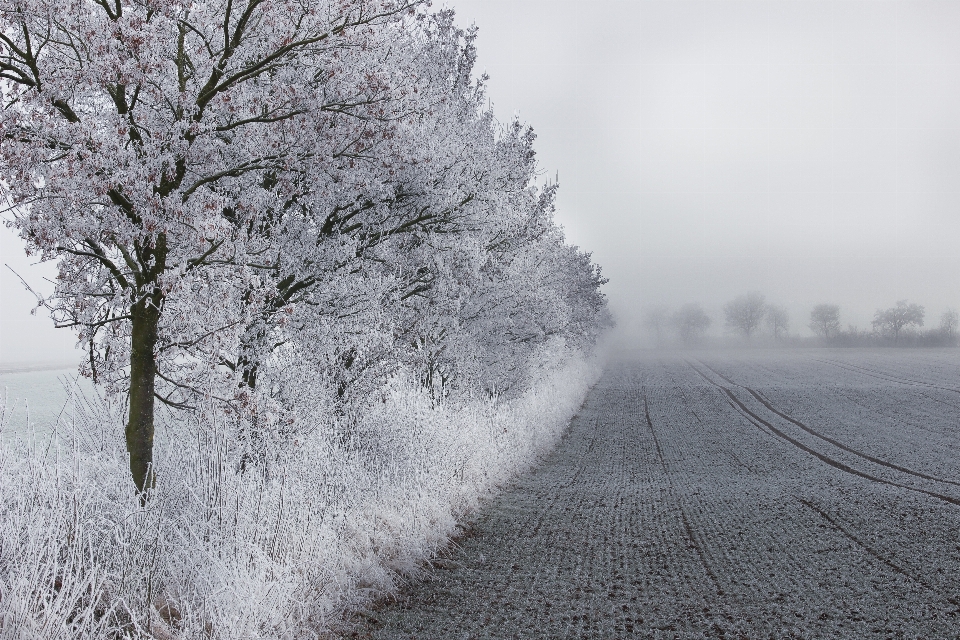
{"type": "Point", "coordinates": [680, 505]}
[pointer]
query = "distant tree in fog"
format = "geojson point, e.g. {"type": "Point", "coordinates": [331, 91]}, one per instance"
{"type": "Point", "coordinates": [949, 322]}
{"type": "Point", "coordinates": [691, 321]}
{"type": "Point", "coordinates": [656, 320]}
{"type": "Point", "coordinates": [744, 313]}
{"type": "Point", "coordinates": [825, 320]}
{"type": "Point", "coordinates": [894, 320]}
{"type": "Point", "coordinates": [778, 321]}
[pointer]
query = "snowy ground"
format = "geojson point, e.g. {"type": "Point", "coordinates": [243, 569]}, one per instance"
{"type": "Point", "coordinates": [809, 494]}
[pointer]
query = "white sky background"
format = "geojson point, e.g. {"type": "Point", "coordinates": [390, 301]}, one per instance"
{"type": "Point", "coordinates": [26, 338]}
{"type": "Point", "coordinates": [808, 150]}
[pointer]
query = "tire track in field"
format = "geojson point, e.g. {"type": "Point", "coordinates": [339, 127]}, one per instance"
{"type": "Point", "coordinates": [868, 548]}
{"type": "Point", "coordinates": [836, 525]}
{"type": "Point", "coordinates": [683, 514]}
{"type": "Point", "coordinates": [866, 456]}
{"type": "Point", "coordinates": [840, 445]}
{"type": "Point", "coordinates": [755, 419]}
{"type": "Point", "coordinates": [915, 422]}
{"type": "Point", "coordinates": [721, 548]}
{"type": "Point", "coordinates": [693, 412]}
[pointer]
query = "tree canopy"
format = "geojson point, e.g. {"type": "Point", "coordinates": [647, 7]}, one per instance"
{"type": "Point", "coordinates": [778, 321]}
{"type": "Point", "coordinates": [825, 320]}
{"type": "Point", "coordinates": [238, 191]}
{"type": "Point", "coordinates": [744, 313]}
{"type": "Point", "coordinates": [894, 320]}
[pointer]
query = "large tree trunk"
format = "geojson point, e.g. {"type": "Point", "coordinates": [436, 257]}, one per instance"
{"type": "Point", "coordinates": [143, 369]}
{"type": "Point", "coordinates": [146, 319]}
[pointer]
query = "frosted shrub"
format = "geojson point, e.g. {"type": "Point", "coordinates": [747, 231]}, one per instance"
{"type": "Point", "coordinates": [274, 551]}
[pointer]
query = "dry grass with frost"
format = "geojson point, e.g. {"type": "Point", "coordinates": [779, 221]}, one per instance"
{"type": "Point", "coordinates": [217, 553]}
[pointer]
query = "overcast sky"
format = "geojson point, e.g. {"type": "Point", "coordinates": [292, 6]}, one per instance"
{"type": "Point", "coordinates": [807, 150]}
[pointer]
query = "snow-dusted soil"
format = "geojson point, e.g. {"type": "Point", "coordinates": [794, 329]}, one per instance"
{"type": "Point", "coordinates": [811, 494]}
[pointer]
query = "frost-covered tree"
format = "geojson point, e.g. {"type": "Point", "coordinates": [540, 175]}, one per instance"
{"type": "Point", "coordinates": [949, 322]}
{"type": "Point", "coordinates": [778, 321]}
{"type": "Point", "coordinates": [744, 313]}
{"type": "Point", "coordinates": [145, 144]}
{"type": "Point", "coordinates": [894, 320]}
{"type": "Point", "coordinates": [268, 202]}
{"type": "Point", "coordinates": [825, 320]}
{"type": "Point", "coordinates": [351, 246]}
{"type": "Point", "coordinates": [451, 265]}
{"type": "Point", "coordinates": [500, 291]}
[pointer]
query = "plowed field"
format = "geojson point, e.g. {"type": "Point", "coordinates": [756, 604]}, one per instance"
{"type": "Point", "coordinates": [808, 494]}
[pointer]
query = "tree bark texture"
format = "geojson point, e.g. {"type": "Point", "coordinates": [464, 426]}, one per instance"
{"type": "Point", "coordinates": [139, 431]}
{"type": "Point", "coordinates": [145, 314]}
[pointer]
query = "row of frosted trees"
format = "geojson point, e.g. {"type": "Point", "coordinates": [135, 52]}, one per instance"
{"type": "Point", "coordinates": [750, 314]}
{"type": "Point", "coordinates": [253, 203]}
